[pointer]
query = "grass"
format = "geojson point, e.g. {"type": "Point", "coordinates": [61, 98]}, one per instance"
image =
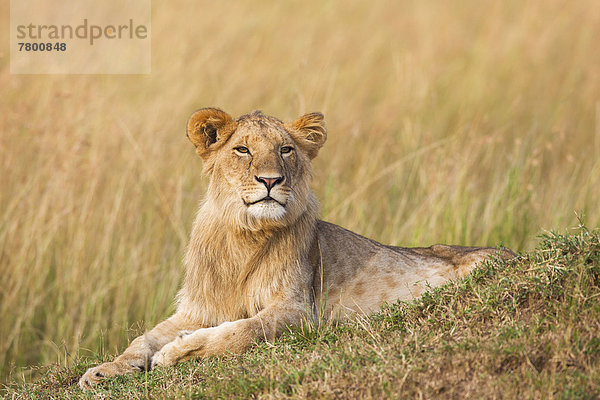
{"type": "Point", "coordinates": [526, 328]}
{"type": "Point", "coordinates": [470, 123]}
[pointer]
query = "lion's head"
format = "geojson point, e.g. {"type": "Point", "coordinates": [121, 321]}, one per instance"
{"type": "Point", "coordinates": [259, 166]}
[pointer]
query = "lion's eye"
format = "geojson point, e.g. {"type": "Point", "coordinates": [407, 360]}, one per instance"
{"type": "Point", "coordinates": [242, 149]}
{"type": "Point", "coordinates": [286, 149]}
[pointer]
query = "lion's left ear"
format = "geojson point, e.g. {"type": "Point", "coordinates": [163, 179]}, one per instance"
{"type": "Point", "coordinates": [208, 127]}
{"type": "Point", "coordinates": [310, 132]}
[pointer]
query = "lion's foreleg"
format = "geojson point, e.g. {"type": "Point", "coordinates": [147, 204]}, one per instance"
{"type": "Point", "coordinates": [138, 355]}
{"type": "Point", "coordinates": [231, 337]}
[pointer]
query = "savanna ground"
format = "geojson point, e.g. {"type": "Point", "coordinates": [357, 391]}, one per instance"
{"type": "Point", "coordinates": [450, 122]}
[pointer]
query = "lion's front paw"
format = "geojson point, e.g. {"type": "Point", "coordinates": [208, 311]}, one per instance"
{"type": "Point", "coordinates": [97, 374]}
{"type": "Point", "coordinates": [184, 333]}
{"type": "Point", "coordinates": [167, 356]}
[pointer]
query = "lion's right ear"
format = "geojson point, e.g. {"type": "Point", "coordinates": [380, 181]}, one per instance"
{"type": "Point", "coordinates": [209, 127]}
{"type": "Point", "coordinates": [310, 132]}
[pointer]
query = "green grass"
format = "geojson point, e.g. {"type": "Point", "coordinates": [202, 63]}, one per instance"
{"type": "Point", "coordinates": [526, 328]}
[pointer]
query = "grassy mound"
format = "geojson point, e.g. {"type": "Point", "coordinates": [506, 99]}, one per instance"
{"type": "Point", "coordinates": [528, 328]}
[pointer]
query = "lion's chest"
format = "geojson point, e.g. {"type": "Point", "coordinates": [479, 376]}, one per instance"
{"type": "Point", "coordinates": [230, 292]}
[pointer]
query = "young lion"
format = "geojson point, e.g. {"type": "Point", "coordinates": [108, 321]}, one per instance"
{"type": "Point", "coordinates": [259, 260]}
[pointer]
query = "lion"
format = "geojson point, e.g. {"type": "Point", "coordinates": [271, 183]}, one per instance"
{"type": "Point", "coordinates": [260, 261]}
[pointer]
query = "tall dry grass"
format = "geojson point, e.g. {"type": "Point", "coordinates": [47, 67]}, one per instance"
{"type": "Point", "coordinates": [468, 122]}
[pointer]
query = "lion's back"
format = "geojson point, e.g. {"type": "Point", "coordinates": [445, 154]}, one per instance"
{"type": "Point", "coordinates": [357, 274]}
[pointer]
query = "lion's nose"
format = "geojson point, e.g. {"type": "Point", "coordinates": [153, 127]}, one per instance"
{"type": "Point", "coordinates": [269, 182]}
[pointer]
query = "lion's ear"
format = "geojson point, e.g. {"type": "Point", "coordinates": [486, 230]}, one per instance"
{"type": "Point", "coordinates": [207, 127]}
{"type": "Point", "coordinates": [310, 132]}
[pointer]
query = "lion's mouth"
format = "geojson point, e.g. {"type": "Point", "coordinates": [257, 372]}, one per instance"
{"type": "Point", "coordinates": [264, 200]}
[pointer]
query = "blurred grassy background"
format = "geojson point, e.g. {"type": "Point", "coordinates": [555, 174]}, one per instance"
{"type": "Point", "coordinates": [472, 122]}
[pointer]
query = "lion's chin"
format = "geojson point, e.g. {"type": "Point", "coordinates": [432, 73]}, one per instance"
{"type": "Point", "coordinates": [267, 210]}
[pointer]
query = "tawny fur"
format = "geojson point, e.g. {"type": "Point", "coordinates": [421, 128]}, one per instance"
{"type": "Point", "coordinates": [259, 260]}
